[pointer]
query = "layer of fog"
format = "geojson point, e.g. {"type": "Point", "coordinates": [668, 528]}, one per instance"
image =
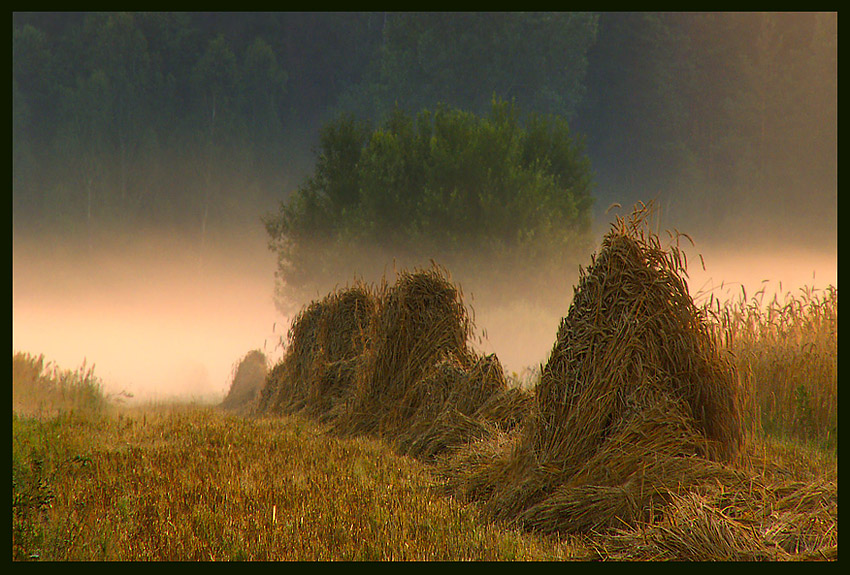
{"type": "Point", "coordinates": [162, 319]}
{"type": "Point", "coordinates": [157, 317]}
{"type": "Point", "coordinates": [752, 253]}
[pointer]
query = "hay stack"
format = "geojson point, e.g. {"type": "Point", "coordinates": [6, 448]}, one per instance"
{"type": "Point", "coordinates": [633, 335]}
{"type": "Point", "coordinates": [394, 362]}
{"type": "Point", "coordinates": [452, 405]}
{"type": "Point", "coordinates": [420, 323]}
{"type": "Point", "coordinates": [325, 341]}
{"type": "Point", "coordinates": [635, 422]}
{"type": "Point", "coordinates": [248, 378]}
{"type": "Point", "coordinates": [508, 408]}
{"type": "Point", "coordinates": [634, 404]}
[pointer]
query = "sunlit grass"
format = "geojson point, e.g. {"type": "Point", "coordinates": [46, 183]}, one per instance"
{"type": "Point", "coordinates": [786, 351]}
{"type": "Point", "coordinates": [196, 484]}
{"type": "Point", "coordinates": [92, 480]}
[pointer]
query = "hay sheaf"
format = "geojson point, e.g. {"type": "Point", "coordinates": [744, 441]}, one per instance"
{"type": "Point", "coordinates": [455, 405]}
{"type": "Point", "coordinates": [248, 378]}
{"type": "Point", "coordinates": [394, 361]}
{"type": "Point", "coordinates": [417, 357]}
{"type": "Point", "coordinates": [633, 436]}
{"type": "Point", "coordinates": [325, 340]}
{"type": "Point", "coordinates": [633, 326]}
{"type": "Point", "coordinates": [757, 519]}
{"type": "Point", "coordinates": [634, 405]}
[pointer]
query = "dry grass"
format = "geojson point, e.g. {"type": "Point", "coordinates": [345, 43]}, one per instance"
{"type": "Point", "coordinates": [325, 340]}
{"type": "Point", "coordinates": [43, 389]}
{"type": "Point", "coordinates": [786, 351]}
{"type": "Point", "coordinates": [762, 510]}
{"type": "Point", "coordinates": [393, 361]}
{"type": "Point", "coordinates": [636, 428]}
{"type": "Point", "coordinates": [198, 484]}
{"type": "Point", "coordinates": [419, 322]}
{"type": "Point", "coordinates": [635, 404]}
{"type": "Point", "coordinates": [644, 438]}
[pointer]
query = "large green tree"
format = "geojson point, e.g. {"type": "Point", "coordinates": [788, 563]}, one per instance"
{"type": "Point", "coordinates": [498, 195]}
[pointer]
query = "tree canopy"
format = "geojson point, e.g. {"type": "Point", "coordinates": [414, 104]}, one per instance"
{"type": "Point", "coordinates": [444, 184]}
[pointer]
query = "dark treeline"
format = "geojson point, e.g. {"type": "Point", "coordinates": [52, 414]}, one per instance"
{"type": "Point", "coordinates": [196, 119]}
{"type": "Point", "coordinates": [721, 114]}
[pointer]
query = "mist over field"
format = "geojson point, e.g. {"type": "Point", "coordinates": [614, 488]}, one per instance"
{"type": "Point", "coordinates": [424, 286]}
{"type": "Point", "coordinates": [154, 318]}
{"type": "Point", "coordinates": [149, 148]}
{"type": "Point", "coordinates": [162, 323]}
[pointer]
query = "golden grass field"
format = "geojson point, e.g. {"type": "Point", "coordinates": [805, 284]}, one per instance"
{"type": "Point", "coordinates": [194, 483]}
{"type": "Point", "coordinates": [97, 481]}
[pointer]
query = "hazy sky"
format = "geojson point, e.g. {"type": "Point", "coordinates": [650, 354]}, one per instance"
{"type": "Point", "coordinates": [153, 319]}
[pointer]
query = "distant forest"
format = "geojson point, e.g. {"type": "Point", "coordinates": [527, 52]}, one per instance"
{"type": "Point", "coordinates": [197, 120]}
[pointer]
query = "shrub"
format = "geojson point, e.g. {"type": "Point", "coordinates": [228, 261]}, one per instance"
{"type": "Point", "coordinates": [44, 389]}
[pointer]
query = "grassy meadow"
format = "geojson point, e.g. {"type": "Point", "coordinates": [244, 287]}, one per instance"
{"type": "Point", "coordinates": [180, 482]}
{"type": "Point", "coordinates": [96, 480]}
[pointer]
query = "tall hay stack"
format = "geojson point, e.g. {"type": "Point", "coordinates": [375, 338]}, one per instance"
{"type": "Point", "coordinates": [416, 355]}
{"type": "Point", "coordinates": [394, 361]}
{"type": "Point", "coordinates": [632, 340]}
{"type": "Point", "coordinates": [633, 435]}
{"type": "Point", "coordinates": [634, 403]}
